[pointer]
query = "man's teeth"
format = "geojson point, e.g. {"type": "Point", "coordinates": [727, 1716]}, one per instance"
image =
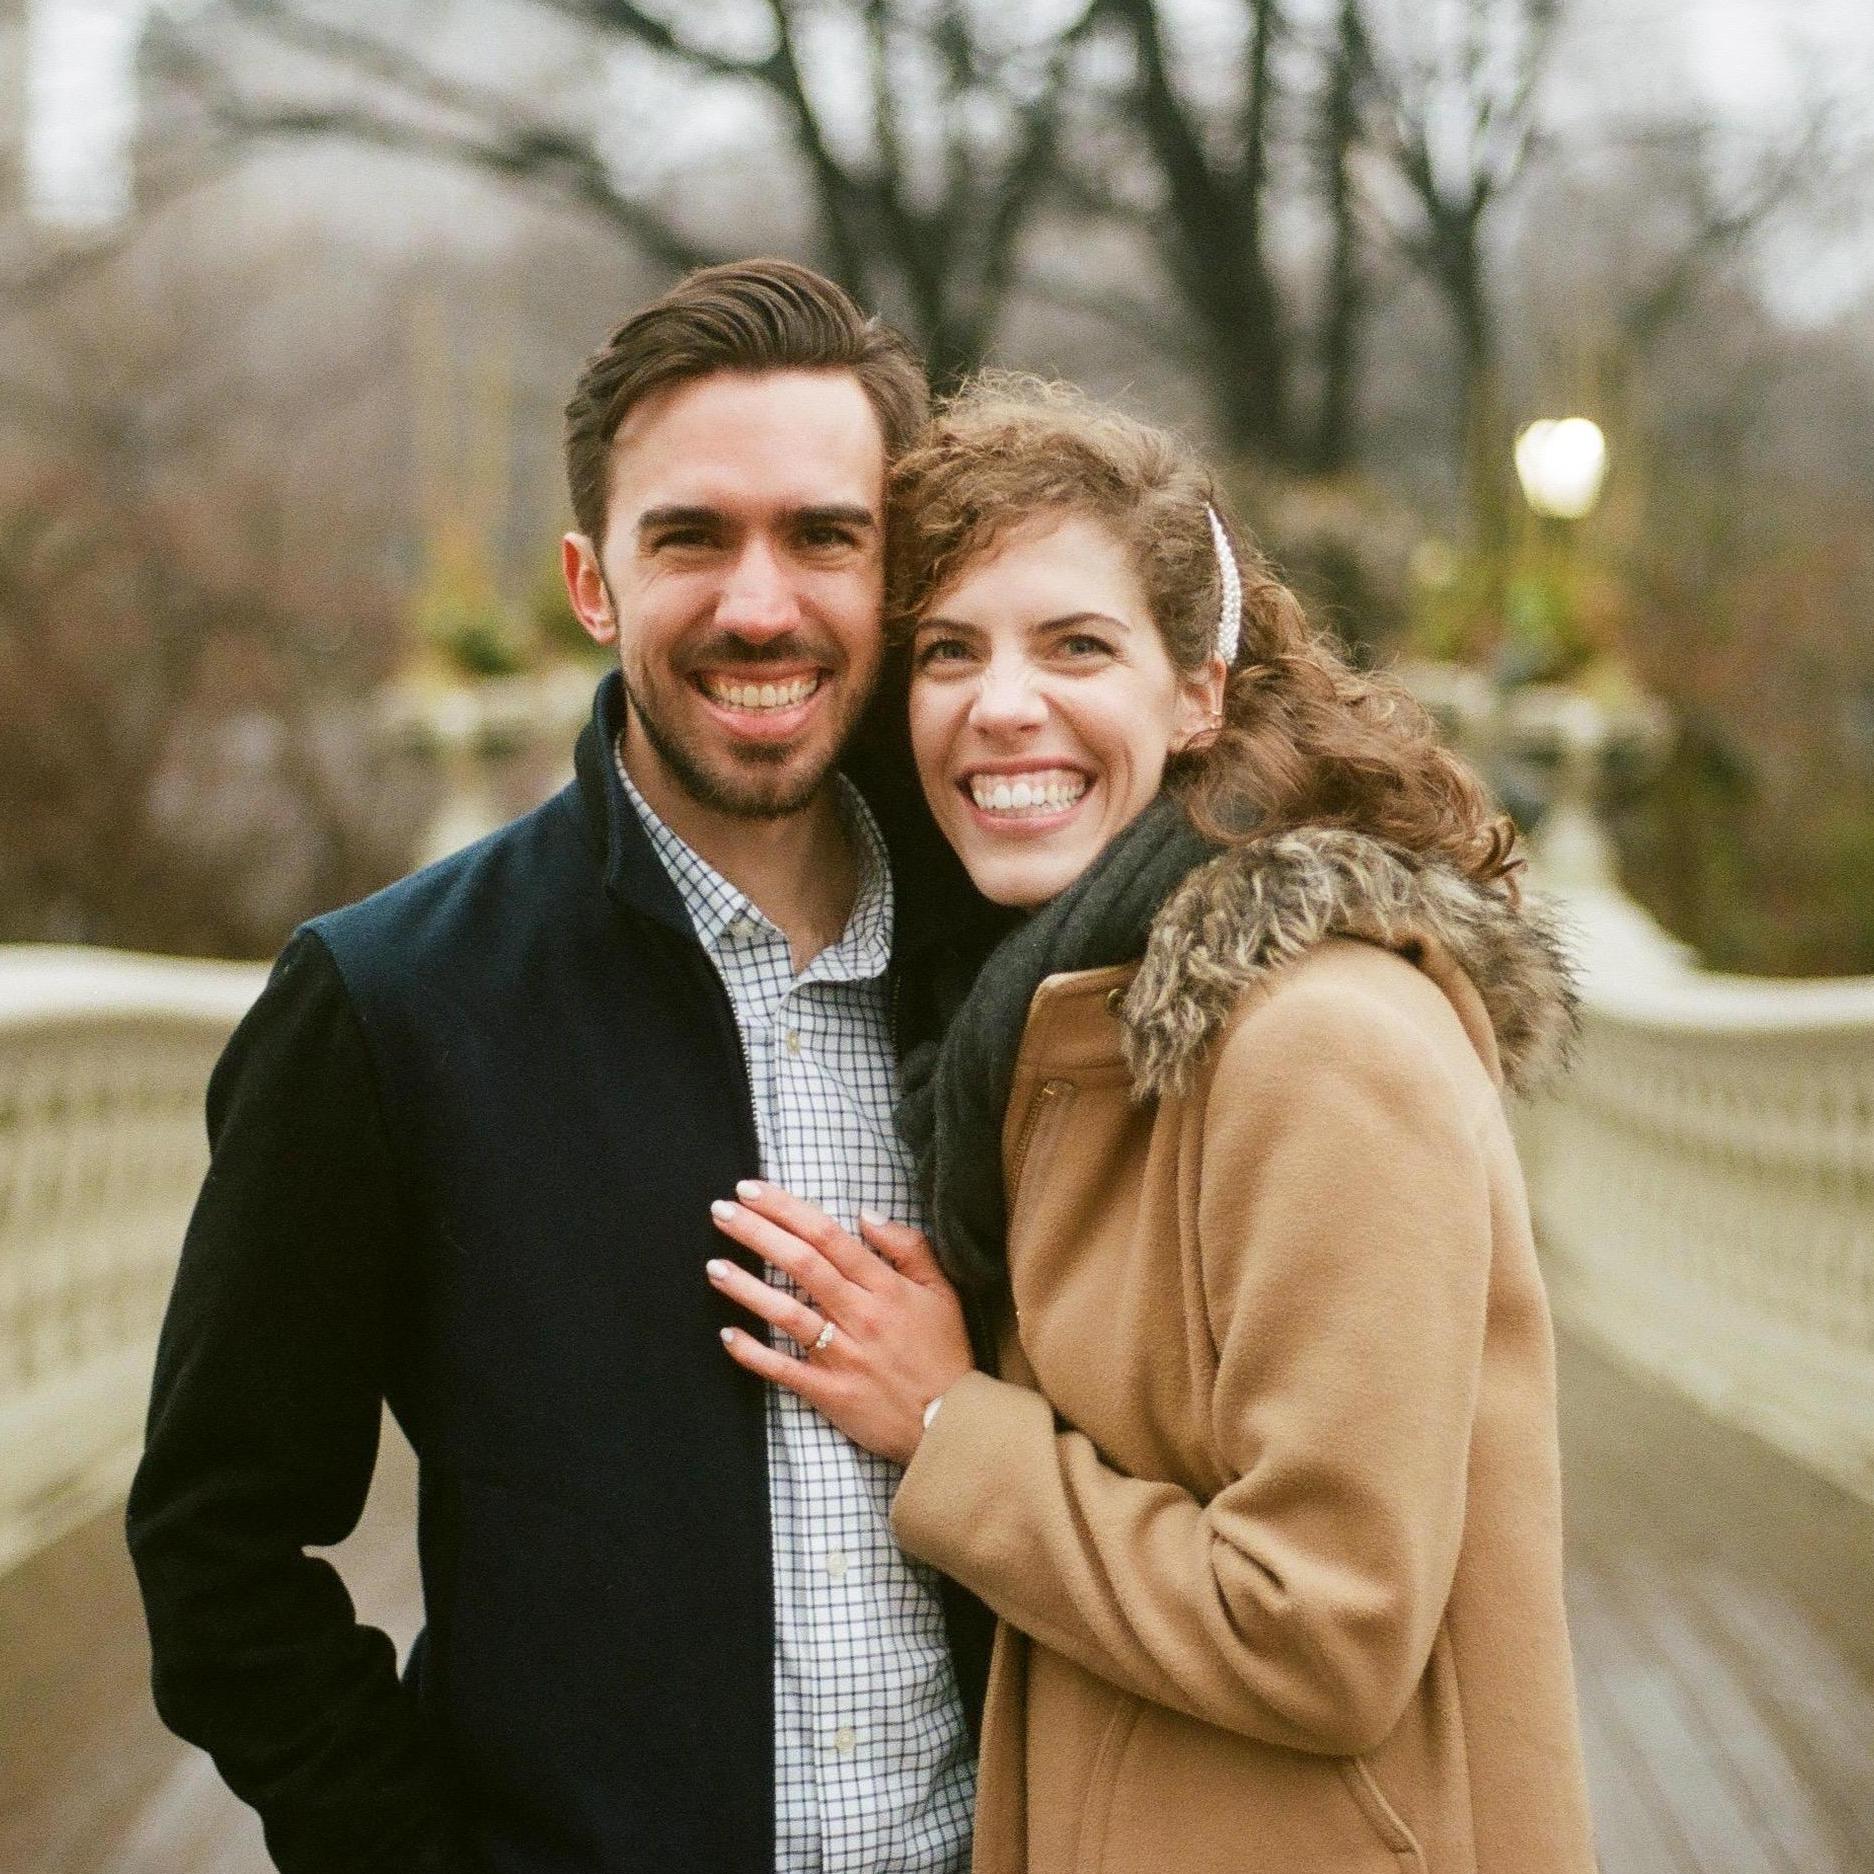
{"type": "Point", "coordinates": [1032, 793]}
{"type": "Point", "coordinates": [761, 695]}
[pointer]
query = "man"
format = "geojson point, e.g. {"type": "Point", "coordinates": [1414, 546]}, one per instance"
{"type": "Point", "coordinates": [464, 1150]}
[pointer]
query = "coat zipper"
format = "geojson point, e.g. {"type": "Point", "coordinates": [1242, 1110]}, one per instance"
{"type": "Point", "coordinates": [695, 958]}
{"type": "Point", "coordinates": [1046, 1095]}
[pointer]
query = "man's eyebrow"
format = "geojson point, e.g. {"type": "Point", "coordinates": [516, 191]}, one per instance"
{"type": "Point", "coordinates": [836, 513]}
{"type": "Point", "coordinates": [653, 518]}
{"type": "Point", "coordinates": [820, 514]}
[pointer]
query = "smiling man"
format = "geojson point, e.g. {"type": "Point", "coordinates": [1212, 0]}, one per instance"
{"type": "Point", "coordinates": [464, 1150]}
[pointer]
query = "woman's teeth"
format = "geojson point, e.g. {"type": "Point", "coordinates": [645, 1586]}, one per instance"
{"type": "Point", "coordinates": [761, 695]}
{"type": "Point", "coordinates": [1036, 793]}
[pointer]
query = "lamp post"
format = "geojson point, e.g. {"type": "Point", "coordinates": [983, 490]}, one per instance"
{"type": "Point", "coordinates": [1562, 465]}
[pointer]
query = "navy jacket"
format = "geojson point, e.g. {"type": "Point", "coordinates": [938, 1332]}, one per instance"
{"type": "Point", "coordinates": [463, 1150]}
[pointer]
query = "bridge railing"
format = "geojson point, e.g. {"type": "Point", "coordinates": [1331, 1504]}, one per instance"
{"type": "Point", "coordinates": [103, 1060]}
{"type": "Point", "coordinates": [1703, 1186]}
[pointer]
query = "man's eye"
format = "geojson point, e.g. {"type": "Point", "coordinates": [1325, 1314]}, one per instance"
{"type": "Point", "coordinates": [828, 536]}
{"type": "Point", "coordinates": [681, 537]}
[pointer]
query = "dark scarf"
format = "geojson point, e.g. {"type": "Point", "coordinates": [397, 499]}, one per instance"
{"type": "Point", "coordinates": [956, 1091]}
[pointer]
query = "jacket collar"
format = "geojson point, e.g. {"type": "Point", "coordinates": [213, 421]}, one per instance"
{"type": "Point", "coordinates": [935, 904]}
{"type": "Point", "coordinates": [632, 872]}
{"type": "Point", "coordinates": [1257, 906]}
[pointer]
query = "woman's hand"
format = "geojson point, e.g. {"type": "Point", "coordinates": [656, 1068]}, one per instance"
{"type": "Point", "coordinates": [898, 1337]}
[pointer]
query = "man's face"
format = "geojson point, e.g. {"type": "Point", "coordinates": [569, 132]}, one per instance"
{"type": "Point", "coordinates": [741, 578]}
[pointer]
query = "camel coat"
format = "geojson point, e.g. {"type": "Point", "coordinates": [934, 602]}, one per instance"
{"type": "Point", "coordinates": [1266, 1493]}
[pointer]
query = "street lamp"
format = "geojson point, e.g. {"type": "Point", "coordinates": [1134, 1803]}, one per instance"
{"type": "Point", "coordinates": [1561, 464]}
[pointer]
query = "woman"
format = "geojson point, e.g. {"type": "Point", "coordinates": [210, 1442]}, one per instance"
{"type": "Point", "coordinates": [1264, 1488]}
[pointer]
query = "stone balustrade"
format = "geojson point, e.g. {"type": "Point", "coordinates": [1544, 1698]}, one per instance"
{"type": "Point", "coordinates": [103, 1062]}
{"type": "Point", "coordinates": [1703, 1186]}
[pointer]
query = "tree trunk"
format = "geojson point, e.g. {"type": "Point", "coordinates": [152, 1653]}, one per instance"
{"type": "Point", "coordinates": [1336, 417]}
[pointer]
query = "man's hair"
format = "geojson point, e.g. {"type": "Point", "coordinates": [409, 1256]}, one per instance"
{"type": "Point", "coordinates": [750, 316]}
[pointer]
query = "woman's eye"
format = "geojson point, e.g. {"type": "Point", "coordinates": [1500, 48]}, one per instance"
{"type": "Point", "coordinates": [940, 651]}
{"type": "Point", "coordinates": [1084, 644]}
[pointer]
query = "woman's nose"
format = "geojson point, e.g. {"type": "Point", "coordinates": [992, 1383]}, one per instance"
{"type": "Point", "coordinates": [1006, 699]}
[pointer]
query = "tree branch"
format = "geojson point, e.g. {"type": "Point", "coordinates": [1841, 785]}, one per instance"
{"type": "Point", "coordinates": [488, 134]}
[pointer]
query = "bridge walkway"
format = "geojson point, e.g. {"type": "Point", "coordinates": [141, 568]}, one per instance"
{"type": "Point", "coordinates": [1722, 1601]}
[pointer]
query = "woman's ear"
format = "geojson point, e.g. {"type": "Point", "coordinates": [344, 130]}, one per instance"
{"type": "Point", "coordinates": [1200, 704]}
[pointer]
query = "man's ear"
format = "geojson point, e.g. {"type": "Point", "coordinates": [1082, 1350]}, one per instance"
{"type": "Point", "coordinates": [1200, 704]}
{"type": "Point", "coordinates": [586, 590]}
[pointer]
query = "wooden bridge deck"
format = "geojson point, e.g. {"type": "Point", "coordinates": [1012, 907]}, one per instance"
{"type": "Point", "coordinates": [1722, 1600]}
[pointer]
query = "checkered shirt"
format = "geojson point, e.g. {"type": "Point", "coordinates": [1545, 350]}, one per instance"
{"type": "Point", "coordinates": [873, 1772]}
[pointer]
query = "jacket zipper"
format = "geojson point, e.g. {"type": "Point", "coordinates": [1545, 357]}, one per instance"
{"type": "Point", "coordinates": [696, 959]}
{"type": "Point", "coordinates": [1048, 1093]}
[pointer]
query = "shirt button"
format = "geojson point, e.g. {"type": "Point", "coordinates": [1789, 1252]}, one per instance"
{"type": "Point", "coordinates": [845, 1740]}
{"type": "Point", "coordinates": [792, 1038]}
{"type": "Point", "coordinates": [836, 1563]}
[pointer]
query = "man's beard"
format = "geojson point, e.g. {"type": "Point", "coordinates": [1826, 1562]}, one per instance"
{"type": "Point", "coordinates": [737, 791]}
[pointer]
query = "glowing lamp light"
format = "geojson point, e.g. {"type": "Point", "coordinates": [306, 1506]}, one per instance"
{"type": "Point", "coordinates": [1561, 465]}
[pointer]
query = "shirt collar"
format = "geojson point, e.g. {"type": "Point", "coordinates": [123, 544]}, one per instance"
{"type": "Point", "coordinates": [713, 904]}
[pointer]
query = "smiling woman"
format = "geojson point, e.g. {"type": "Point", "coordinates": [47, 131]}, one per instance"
{"type": "Point", "coordinates": [1263, 1481]}
{"type": "Point", "coordinates": [1044, 706]}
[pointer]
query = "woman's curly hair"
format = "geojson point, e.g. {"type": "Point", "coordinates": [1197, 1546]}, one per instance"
{"type": "Point", "coordinates": [1305, 738]}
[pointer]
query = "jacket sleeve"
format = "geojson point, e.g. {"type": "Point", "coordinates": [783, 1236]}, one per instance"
{"type": "Point", "coordinates": [262, 1438]}
{"type": "Point", "coordinates": [1344, 1228]}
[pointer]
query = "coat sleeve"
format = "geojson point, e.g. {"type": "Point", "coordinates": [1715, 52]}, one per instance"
{"type": "Point", "coordinates": [262, 1437]}
{"type": "Point", "coordinates": [1344, 1232]}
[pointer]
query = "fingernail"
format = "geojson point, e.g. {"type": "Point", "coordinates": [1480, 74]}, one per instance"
{"type": "Point", "coordinates": [872, 1217]}
{"type": "Point", "coordinates": [722, 1208]}
{"type": "Point", "coordinates": [728, 1336]}
{"type": "Point", "coordinates": [716, 1269]}
{"type": "Point", "coordinates": [748, 1188]}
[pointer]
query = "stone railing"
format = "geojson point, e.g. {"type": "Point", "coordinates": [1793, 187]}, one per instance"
{"type": "Point", "coordinates": [1703, 1187]}
{"type": "Point", "coordinates": [1703, 1184]}
{"type": "Point", "coordinates": [103, 1061]}
{"type": "Point", "coordinates": [1704, 1192]}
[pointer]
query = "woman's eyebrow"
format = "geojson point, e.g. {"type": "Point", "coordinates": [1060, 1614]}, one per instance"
{"type": "Point", "coordinates": [1083, 618]}
{"type": "Point", "coordinates": [935, 621]}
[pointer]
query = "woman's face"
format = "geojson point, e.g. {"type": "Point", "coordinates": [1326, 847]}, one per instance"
{"type": "Point", "coordinates": [1044, 706]}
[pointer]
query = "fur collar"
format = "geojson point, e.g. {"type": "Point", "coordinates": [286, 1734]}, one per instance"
{"type": "Point", "coordinates": [1258, 906]}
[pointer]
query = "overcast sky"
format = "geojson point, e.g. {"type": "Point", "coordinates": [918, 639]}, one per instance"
{"type": "Point", "coordinates": [1756, 61]}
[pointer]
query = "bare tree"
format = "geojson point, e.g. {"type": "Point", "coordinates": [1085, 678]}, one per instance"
{"type": "Point", "coordinates": [1340, 140]}
{"type": "Point", "coordinates": [186, 726]}
{"type": "Point", "coordinates": [1459, 81]}
{"type": "Point", "coordinates": [923, 210]}
{"type": "Point", "coordinates": [1214, 231]}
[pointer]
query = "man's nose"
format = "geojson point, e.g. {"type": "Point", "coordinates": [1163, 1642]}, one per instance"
{"type": "Point", "coordinates": [758, 599]}
{"type": "Point", "coordinates": [1006, 699]}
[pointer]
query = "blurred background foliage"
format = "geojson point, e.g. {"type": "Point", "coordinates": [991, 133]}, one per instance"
{"type": "Point", "coordinates": [284, 357]}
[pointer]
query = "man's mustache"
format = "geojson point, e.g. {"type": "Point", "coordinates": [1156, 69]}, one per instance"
{"type": "Point", "coordinates": [727, 648]}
